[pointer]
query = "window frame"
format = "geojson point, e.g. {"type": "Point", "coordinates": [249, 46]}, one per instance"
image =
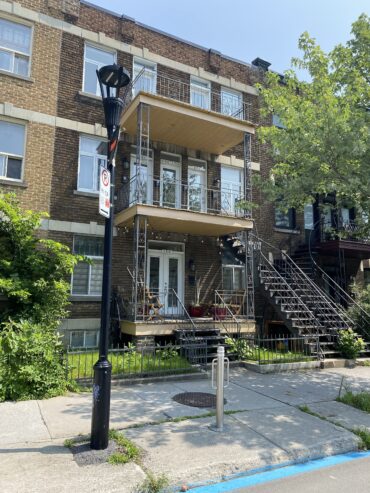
{"type": "Point", "coordinates": [151, 67]}
{"type": "Point", "coordinates": [96, 163]}
{"type": "Point", "coordinates": [96, 47]}
{"type": "Point", "coordinates": [290, 214]}
{"type": "Point", "coordinates": [97, 333]}
{"type": "Point", "coordinates": [197, 81]}
{"type": "Point", "coordinates": [15, 156]}
{"type": "Point", "coordinates": [31, 27]}
{"type": "Point", "coordinates": [92, 257]}
{"type": "Point", "coordinates": [232, 210]}
{"type": "Point", "coordinates": [225, 90]}
{"type": "Point", "coordinates": [233, 267]}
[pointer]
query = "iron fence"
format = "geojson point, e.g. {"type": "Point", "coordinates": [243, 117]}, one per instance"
{"type": "Point", "coordinates": [276, 350]}
{"type": "Point", "coordinates": [131, 361]}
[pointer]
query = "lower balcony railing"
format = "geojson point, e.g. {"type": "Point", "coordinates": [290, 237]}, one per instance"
{"type": "Point", "coordinates": [350, 230]}
{"type": "Point", "coordinates": [177, 194]}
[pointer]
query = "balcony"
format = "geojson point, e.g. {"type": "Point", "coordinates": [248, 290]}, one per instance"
{"type": "Point", "coordinates": [188, 115]}
{"type": "Point", "coordinates": [181, 207]}
{"type": "Point", "coordinates": [348, 236]}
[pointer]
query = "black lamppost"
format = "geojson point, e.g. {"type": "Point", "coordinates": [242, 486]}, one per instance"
{"type": "Point", "coordinates": [111, 79]}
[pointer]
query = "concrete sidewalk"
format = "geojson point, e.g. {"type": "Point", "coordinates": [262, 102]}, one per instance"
{"type": "Point", "coordinates": [268, 429]}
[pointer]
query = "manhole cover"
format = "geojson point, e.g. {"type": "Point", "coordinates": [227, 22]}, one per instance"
{"type": "Point", "coordinates": [196, 399]}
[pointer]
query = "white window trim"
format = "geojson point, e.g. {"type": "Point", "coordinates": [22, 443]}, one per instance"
{"type": "Point", "coordinates": [225, 90]}
{"type": "Point", "coordinates": [96, 164]}
{"type": "Point", "coordinates": [101, 48]}
{"type": "Point", "coordinates": [225, 190]}
{"type": "Point", "coordinates": [84, 338]}
{"type": "Point", "coordinates": [150, 66]}
{"type": "Point", "coordinates": [201, 164]}
{"type": "Point", "coordinates": [16, 180]}
{"type": "Point", "coordinates": [197, 82]}
{"type": "Point", "coordinates": [233, 267]}
{"type": "Point", "coordinates": [92, 257]}
{"type": "Point", "coordinates": [26, 24]}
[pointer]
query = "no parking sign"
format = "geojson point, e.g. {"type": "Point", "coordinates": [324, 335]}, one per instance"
{"type": "Point", "coordinates": [104, 192]}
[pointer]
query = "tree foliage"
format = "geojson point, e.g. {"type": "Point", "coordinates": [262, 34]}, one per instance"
{"type": "Point", "coordinates": [34, 281]}
{"type": "Point", "coordinates": [324, 143]}
{"type": "Point", "coordinates": [34, 272]}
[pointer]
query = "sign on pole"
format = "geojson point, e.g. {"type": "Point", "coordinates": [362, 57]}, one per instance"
{"type": "Point", "coordinates": [104, 192]}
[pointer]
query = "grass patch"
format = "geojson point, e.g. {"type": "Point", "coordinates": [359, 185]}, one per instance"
{"type": "Point", "coordinates": [80, 364]}
{"type": "Point", "coordinates": [68, 442]}
{"type": "Point", "coordinates": [359, 401]}
{"type": "Point", "coordinates": [127, 451]}
{"type": "Point", "coordinates": [365, 437]}
{"type": "Point", "coordinates": [268, 357]}
{"type": "Point", "coordinates": [154, 484]}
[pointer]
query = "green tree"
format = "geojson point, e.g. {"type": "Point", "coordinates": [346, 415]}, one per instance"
{"type": "Point", "coordinates": [34, 272]}
{"type": "Point", "coordinates": [324, 143]}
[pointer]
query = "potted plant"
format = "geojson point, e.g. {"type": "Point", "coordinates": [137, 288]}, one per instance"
{"type": "Point", "coordinates": [219, 311]}
{"type": "Point", "coordinates": [196, 309]}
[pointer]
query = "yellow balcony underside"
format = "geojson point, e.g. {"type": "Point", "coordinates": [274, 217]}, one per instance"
{"type": "Point", "coordinates": [183, 221]}
{"type": "Point", "coordinates": [184, 125]}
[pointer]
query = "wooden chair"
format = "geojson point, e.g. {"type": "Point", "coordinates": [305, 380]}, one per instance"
{"type": "Point", "coordinates": [154, 305]}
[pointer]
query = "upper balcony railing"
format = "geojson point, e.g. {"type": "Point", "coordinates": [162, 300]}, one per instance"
{"type": "Point", "coordinates": [348, 230]}
{"type": "Point", "coordinates": [147, 189]}
{"type": "Point", "coordinates": [196, 94]}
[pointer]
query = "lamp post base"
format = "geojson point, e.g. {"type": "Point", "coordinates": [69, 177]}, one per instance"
{"type": "Point", "coordinates": [101, 405]}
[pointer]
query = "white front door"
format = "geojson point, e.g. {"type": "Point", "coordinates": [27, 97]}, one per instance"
{"type": "Point", "coordinates": [170, 181]}
{"type": "Point", "coordinates": [165, 278]}
{"type": "Point", "coordinates": [197, 192]}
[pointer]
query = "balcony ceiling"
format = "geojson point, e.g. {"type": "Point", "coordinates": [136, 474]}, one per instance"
{"type": "Point", "coordinates": [179, 123]}
{"type": "Point", "coordinates": [183, 221]}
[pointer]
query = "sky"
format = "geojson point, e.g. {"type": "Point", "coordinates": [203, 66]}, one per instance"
{"type": "Point", "coordinates": [245, 29]}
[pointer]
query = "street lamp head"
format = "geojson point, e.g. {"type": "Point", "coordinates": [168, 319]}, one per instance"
{"type": "Point", "coordinates": [113, 76]}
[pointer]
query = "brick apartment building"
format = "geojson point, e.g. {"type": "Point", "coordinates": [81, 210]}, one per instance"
{"type": "Point", "coordinates": [186, 155]}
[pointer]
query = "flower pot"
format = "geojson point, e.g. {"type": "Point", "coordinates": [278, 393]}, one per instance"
{"type": "Point", "coordinates": [219, 312]}
{"type": "Point", "coordinates": [196, 311]}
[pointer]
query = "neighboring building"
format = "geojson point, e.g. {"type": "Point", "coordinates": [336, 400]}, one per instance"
{"type": "Point", "coordinates": [184, 165]}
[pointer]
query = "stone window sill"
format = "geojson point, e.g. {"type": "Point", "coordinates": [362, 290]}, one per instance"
{"type": "Point", "coordinates": [13, 183]}
{"type": "Point", "coordinates": [84, 298]}
{"type": "Point", "coordinates": [86, 194]}
{"type": "Point", "coordinates": [90, 96]}
{"type": "Point", "coordinates": [17, 76]}
{"type": "Point", "coordinates": [289, 231]}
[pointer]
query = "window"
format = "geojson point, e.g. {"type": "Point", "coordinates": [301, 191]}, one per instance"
{"type": "Point", "coordinates": [197, 183]}
{"type": "Point", "coordinates": [147, 82]}
{"type": "Point", "coordinates": [200, 93]}
{"type": "Point", "coordinates": [93, 153]}
{"type": "Point", "coordinates": [87, 278]}
{"type": "Point", "coordinates": [170, 185]}
{"type": "Point", "coordinates": [15, 47]}
{"type": "Point", "coordinates": [233, 277]}
{"type": "Point", "coordinates": [231, 189]}
{"type": "Point", "coordinates": [276, 121]}
{"type": "Point", "coordinates": [232, 103]}
{"type": "Point", "coordinates": [11, 150]}
{"type": "Point", "coordinates": [94, 59]}
{"type": "Point", "coordinates": [285, 220]}
{"type": "Point", "coordinates": [84, 338]}
{"type": "Point", "coordinates": [141, 184]}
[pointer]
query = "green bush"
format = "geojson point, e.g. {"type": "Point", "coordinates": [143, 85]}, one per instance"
{"type": "Point", "coordinates": [31, 365]}
{"type": "Point", "coordinates": [350, 344]}
{"type": "Point", "coordinates": [362, 297]}
{"type": "Point", "coordinates": [240, 347]}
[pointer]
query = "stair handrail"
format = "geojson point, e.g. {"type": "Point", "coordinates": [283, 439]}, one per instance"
{"type": "Point", "coordinates": [235, 320]}
{"type": "Point", "coordinates": [185, 310]}
{"type": "Point", "coordinates": [343, 294]}
{"type": "Point", "coordinates": [327, 300]}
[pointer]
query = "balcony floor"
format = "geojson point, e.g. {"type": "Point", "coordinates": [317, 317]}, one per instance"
{"type": "Point", "coordinates": [183, 221]}
{"type": "Point", "coordinates": [185, 125]}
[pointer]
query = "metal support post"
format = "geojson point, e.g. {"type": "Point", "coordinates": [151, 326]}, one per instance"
{"type": "Point", "coordinates": [218, 368]}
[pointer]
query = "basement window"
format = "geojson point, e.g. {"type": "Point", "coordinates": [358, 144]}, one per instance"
{"type": "Point", "coordinates": [84, 339]}
{"type": "Point", "coordinates": [12, 136]}
{"type": "Point", "coordinates": [15, 47]}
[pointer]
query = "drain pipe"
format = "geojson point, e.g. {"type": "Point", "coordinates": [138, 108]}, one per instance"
{"type": "Point", "coordinates": [218, 369]}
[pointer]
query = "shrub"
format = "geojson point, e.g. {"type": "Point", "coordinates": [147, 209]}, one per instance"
{"type": "Point", "coordinates": [350, 344]}
{"type": "Point", "coordinates": [362, 297]}
{"type": "Point", "coordinates": [31, 364]}
{"type": "Point", "coordinates": [240, 347]}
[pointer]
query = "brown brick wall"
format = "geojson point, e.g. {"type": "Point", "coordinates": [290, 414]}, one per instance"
{"type": "Point", "coordinates": [39, 94]}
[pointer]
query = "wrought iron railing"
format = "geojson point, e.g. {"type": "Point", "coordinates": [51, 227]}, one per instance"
{"type": "Point", "coordinates": [337, 229]}
{"type": "Point", "coordinates": [179, 194]}
{"type": "Point", "coordinates": [193, 94]}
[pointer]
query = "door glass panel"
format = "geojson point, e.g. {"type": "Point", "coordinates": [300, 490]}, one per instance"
{"type": "Point", "coordinates": [169, 187]}
{"type": "Point", "coordinates": [173, 281]}
{"type": "Point", "coordinates": [231, 189]}
{"type": "Point", "coordinates": [308, 216]}
{"type": "Point", "coordinates": [196, 189]}
{"type": "Point", "coordinates": [345, 216]}
{"type": "Point", "coordinates": [154, 275]}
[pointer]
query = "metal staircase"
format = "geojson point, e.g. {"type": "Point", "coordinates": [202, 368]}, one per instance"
{"type": "Point", "coordinates": [304, 307]}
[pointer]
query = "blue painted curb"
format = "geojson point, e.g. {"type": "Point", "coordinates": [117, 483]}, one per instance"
{"type": "Point", "coordinates": [282, 472]}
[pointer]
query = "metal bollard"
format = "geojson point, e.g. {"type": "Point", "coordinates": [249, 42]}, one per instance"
{"type": "Point", "coordinates": [218, 367]}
